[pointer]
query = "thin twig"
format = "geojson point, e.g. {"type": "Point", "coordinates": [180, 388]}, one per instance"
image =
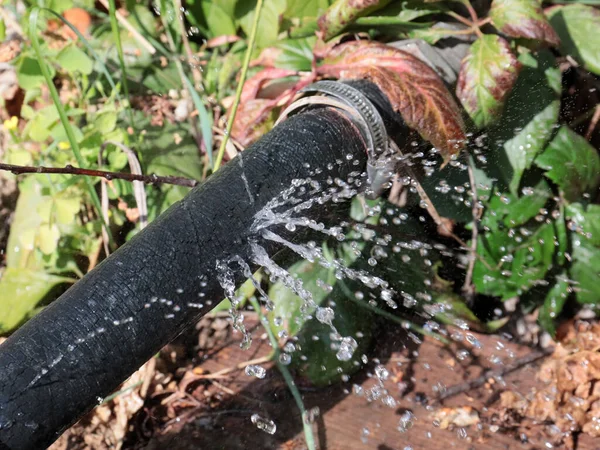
{"type": "Point", "coordinates": [131, 29]}
{"type": "Point", "coordinates": [498, 373]}
{"type": "Point", "coordinates": [222, 373]}
{"type": "Point", "coordinates": [71, 170]}
{"type": "Point", "coordinates": [461, 19]}
{"type": "Point", "coordinates": [238, 93]}
{"type": "Point", "coordinates": [593, 123]}
{"type": "Point", "coordinates": [468, 289]}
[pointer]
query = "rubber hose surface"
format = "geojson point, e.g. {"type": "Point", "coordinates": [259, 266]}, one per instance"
{"type": "Point", "coordinates": [61, 363]}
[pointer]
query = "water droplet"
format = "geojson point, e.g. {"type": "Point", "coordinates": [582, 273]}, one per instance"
{"type": "Point", "coordinates": [266, 425]}
{"type": "Point", "coordinates": [254, 370]}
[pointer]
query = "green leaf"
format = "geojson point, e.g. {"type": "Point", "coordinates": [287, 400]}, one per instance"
{"type": "Point", "coordinates": [25, 221]}
{"type": "Point", "coordinates": [522, 19]}
{"type": "Point", "coordinates": [305, 8]}
{"type": "Point", "coordinates": [487, 75]}
{"type": "Point", "coordinates": [268, 30]}
{"type": "Point", "coordinates": [526, 125]}
{"type": "Point", "coordinates": [216, 17]}
{"type": "Point", "coordinates": [72, 59]}
{"type": "Point", "coordinates": [21, 290]}
{"type": "Point", "coordinates": [507, 210]}
{"type": "Point", "coordinates": [105, 122]}
{"type": "Point", "coordinates": [523, 148]}
{"type": "Point", "coordinates": [296, 54]}
{"type": "Point", "coordinates": [585, 270]}
{"type": "Point", "coordinates": [554, 303]}
{"type": "Point", "coordinates": [577, 26]}
{"type": "Point", "coordinates": [344, 12]}
{"type": "Point", "coordinates": [515, 264]}
{"type": "Point", "coordinates": [572, 163]}
{"type": "Point", "coordinates": [29, 73]}
{"type": "Point", "coordinates": [585, 221]}
{"type": "Point", "coordinates": [287, 303]}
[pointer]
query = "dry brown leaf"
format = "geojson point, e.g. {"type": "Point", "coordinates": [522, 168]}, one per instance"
{"type": "Point", "coordinates": [413, 88]}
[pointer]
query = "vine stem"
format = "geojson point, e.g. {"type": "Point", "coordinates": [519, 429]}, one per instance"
{"type": "Point", "coordinates": [287, 376]}
{"type": "Point", "coordinates": [474, 17]}
{"type": "Point", "coordinates": [70, 170]}
{"type": "Point", "coordinates": [238, 93]}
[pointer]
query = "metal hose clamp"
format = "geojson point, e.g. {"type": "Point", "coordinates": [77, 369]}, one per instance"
{"type": "Point", "coordinates": [380, 164]}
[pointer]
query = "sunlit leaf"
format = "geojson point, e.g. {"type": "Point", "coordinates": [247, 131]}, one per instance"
{"type": "Point", "coordinates": [526, 125]}
{"type": "Point", "coordinates": [20, 292]}
{"type": "Point", "coordinates": [522, 19]}
{"type": "Point", "coordinates": [486, 77]}
{"type": "Point", "coordinates": [577, 26]}
{"type": "Point", "coordinates": [572, 163]}
{"type": "Point", "coordinates": [585, 270]}
{"type": "Point", "coordinates": [270, 20]}
{"type": "Point", "coordinates": [507, 210]}
{"type": "Point", "coordinates": [216, 17]}
{"type": "Point", "coordinates": [413, 88]}
{"type": "Point", "coordinates": [512, 266]}
{"type": "Point", "coordinates": [343, 12]}
{"type": "Point", "coordinates": [585, 221]}
{"type": "Point", "coordinates": [254, 118]}
{"type": "Point", "coordinates": [554, 303]}
{"type": "Point", "coordinates": [73, 59]}
{"type": "Point", "coordinates": [305, 8]}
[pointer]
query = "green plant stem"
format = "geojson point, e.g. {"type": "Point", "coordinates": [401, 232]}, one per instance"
{"type": "Point", "coordinates": [238, 93]}
{"type": "Point", "coordinates": [380, 312]}
{"type": "Point", "coordinates": [33, 20]}
{"type": "Point", "coordinates": [287, 376]}
{"type": "Point", "coordinates": [117, 35]}
{"type": "Point", "coordinates": [203, 117]}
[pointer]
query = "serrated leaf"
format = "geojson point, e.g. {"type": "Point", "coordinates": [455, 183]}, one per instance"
{"type": "Point", "coordinates": [585, 221]}
{"type": "Point", "coordinates": [486, 77]}
{"type": "Point", "coordinates": [507, 210]}
{"type": "Point", "coordinates": [585, 270]}
{"type": "Point", "coordinates": [525, 126]}
{"type": "Point", "coordinates": [577, 26]}
{"type": "Point", "coordinates": [554, 303]}
{"type": "Point", "coordinates": [296, 54]}
{"type": "Point", "coordinates": [413, 88]}
{"type": "Point", "coordinates": [516, 266]}
{"type": "Point", "coordinates": [73, 59]}
{"type": "Point", "coordinates": [21, 290]}
{"type": "Point", "coordinates": [522, 19]}
{"type": "Point", "coordinates": [572, 163]}
{"type": "Point", "coordinates": [343, 12]}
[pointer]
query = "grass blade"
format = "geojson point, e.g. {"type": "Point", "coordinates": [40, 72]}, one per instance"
{"type": "Point", "coordinates": [238, 93]}
{"type": "Point", "coordinates": [115, 30]}
{"type": "Point", "coordinates": [33, 22]}
{"type": "Point", "coordinates": [90, 49]}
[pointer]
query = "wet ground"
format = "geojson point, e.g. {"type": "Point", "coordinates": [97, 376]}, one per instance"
{"type": "Point", "coordinates": [193, 408]}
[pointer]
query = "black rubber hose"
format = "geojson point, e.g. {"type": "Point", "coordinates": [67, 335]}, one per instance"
{"type": "Point", "coordinates": [62, 362]}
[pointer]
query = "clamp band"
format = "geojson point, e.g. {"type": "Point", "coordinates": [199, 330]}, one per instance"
{"type": "Point", "coordinates": [380, 165]}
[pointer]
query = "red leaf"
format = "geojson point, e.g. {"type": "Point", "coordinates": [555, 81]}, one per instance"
{"type": "Point", "coordinates": [413, 88]}
{"type": "Point", "coordinates": [523, 19]}
{"type": "Point", "coordinates": [253, 84]}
